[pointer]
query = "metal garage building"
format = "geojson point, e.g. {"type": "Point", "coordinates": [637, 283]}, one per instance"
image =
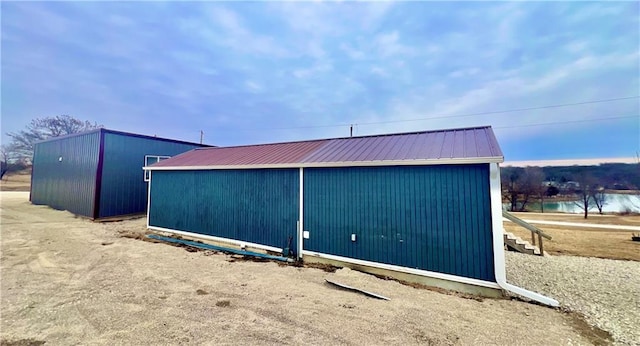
{"type": "Point", "coordinates": [425, 203]}
{"type": "Point", "coordinates": [98, 174]}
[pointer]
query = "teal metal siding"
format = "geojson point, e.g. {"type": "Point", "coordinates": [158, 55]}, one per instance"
{"type": "Point", "coordinates": [258, 206]}
{"type": "Point", "coordinates": [435, 218]}
{"type": "Point", "coordinates": [69, 184]}
{"type": "Point", "coordinates": [122, 188]}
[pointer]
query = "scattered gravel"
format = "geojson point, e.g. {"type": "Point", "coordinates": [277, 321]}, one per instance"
{"type": "Point", "coordinates": [606, 292]}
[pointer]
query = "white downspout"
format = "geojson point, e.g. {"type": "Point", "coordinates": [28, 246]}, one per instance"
{"type": "Point", "coordinates": [301, 214]}
{"type": "Point", "coordinates": [498, 242]}
{"type": "Point", "coordinates": [148, 198]}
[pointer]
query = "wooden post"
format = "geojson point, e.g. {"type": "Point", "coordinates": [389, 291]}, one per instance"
{"type": "Point", "coordinates": [533, 238]}
{"type": "Point", "coordinates": [541, 247]}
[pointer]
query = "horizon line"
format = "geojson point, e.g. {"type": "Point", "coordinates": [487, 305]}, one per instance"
{"type": "Point", "coordinates": [569, 162]}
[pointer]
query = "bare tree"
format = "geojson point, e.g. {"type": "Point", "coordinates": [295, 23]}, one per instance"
{"type": "Point", "coordinates": [521, 185]}
{"type": "Point", "coordinates": [510, 191]}
{"type": "Point", "coordinates": [5, 159]}
{"type": "Point", "coordinates": [6, 153]}
{"type": "Point", "coordinates": [10, 161]}
{"type": "Point", "coordinates": [599, 198]}
{"type": "Point", "coordinates": [532, 185]}
{"type": "Point", "coordinates": [585, 192]}
{"type": "Point", "coordinates": [43, 128]}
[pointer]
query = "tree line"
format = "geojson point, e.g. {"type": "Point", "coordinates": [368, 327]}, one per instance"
{"type": "Point", "coordinates": [585, 185]}
{"type": "Point", "coordinates": [18, 153]}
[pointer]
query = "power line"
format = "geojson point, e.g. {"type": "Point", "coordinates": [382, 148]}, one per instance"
{"type": "Point", "coordinates": [452, 115]}
{"type": "Point", "coordinates": [505, 111]}
{"type": "Point", "coordinates": [569, 122]}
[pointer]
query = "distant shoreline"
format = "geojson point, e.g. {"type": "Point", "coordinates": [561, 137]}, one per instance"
{"type": "Point", "coordinates": [569, 162]}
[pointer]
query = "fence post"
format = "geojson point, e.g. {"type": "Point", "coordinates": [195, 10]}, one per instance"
{"type": "Point", "coordinates": [533, 238]}
{"type": "Point", "coordinates": [541, 247]}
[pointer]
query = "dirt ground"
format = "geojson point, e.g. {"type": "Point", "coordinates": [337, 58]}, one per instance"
{"type": "Point", "coordinates": [66, 280]}
{"type": "Point", "coordinates": [16, 181]}
{"type": "Point", "coordinates": [584, 241]}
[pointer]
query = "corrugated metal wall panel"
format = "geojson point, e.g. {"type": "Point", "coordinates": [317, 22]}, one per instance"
{"type": "Point", "coordinates": [68, 184]}
{"type": "Point", "coordinates": [123, 189]}
{"type": "Point", "coordinates": [257, 206]}
{"type": "Point", "coordinates": [435, 218]}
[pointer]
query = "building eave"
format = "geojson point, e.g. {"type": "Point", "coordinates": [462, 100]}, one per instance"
{"type": "Point", "coordinates": [447, 161]}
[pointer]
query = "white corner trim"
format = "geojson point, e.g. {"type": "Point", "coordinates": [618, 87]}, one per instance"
{"type": "Point", "coordinates": [223, 240]}
{"type": "Point", "coordinates": [301, 214]}
{"type": "Point", "coordinates": [420, 272]}
{"type": "Point", "coordinates": [149, 198]}
{"type": "Point", "coordinates": [417, 162]}
{"type": "Point", "coordinates": [496, 222]}
{"type": "Point", "coordinates": [498, 242]}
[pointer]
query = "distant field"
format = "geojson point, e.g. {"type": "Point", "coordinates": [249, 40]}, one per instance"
{"type": "Point", "coordinates": [584, 241]}
{"type": "Point", "coordinates": [594, 218]}
{"type": "Point", "coordinates": [16, 181]}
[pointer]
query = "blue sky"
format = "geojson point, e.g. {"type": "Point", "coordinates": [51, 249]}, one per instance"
{"type": "Point", "coordinates": [279, 71]}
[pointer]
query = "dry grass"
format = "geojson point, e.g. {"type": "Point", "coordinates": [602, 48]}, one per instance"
{"type": "Point", "coordinates": [16, 181]}
{"type": "Point", "coordinates": [594, 218]}
{"type": "Point", "coordinates": [586, 242]}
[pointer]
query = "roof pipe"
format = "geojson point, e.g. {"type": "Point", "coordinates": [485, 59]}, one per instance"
{"type": "Point", "coordinates": [498, 243]}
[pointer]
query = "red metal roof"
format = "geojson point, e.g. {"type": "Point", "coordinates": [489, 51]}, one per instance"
{"type": "Point", "coordinates": [446, 145]}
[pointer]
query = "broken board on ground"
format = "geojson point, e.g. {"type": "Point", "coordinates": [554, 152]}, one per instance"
{"type": "Point", "coordinates": [356, 290]}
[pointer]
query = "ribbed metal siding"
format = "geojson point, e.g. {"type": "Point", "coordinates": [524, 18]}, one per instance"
{"type": "Point", "coordinates": [123, 189]}
{"type": "Point", "coordinates": [257, 206]}
{"type": "Point", "coordinates": [435, 218]}
{"type": "Point", "coordinates": [68, 184]}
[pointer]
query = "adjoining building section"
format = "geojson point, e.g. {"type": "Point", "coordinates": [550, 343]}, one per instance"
{"type": "Point", "coordinates": [421, 205]}
{"type": "Point", "coordinates": [98, 174]}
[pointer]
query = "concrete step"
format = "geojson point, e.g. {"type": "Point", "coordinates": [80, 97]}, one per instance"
{"type": "Point", "coordinates": [514, 243]}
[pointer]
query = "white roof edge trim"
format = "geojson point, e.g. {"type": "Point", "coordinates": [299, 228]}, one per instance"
{"type": "Point", "coordinates": [497, 159]}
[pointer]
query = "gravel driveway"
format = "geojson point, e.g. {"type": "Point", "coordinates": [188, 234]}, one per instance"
{"type": "Point", "coordinates": [606, 291]}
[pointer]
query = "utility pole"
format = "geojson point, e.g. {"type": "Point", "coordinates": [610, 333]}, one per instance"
{"type": "Point", "coordinates": [201, 135]}
{"type": "Point", "coordinates": [351, 130]}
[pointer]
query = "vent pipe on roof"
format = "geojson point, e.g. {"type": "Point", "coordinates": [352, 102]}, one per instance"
{"type": "Point", "coordinates": [351, 130]}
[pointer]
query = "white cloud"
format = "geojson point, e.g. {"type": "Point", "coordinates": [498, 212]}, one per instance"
{"type": "Point", "coordinates": [379, 71]}
{"type": "Point", "coordinates": [317, 69]}
{"type": "Point", "coordinates": [309, 18]}
{"type": "Point", "coordinates": [253, 86]}
{"type": "Point", "coordinates": [468, 72]}
{"type": "Point", "coordinates": [353, 53]}
{"type": "Point", "coordinates": [314, 49]}
{"type": "Point", "coordinates": [374, 12]}
{"type": "Point", "coordinates": [595, 11]}
{"type": "Point", "coordinates": [221, 26]}
{"type": "Point", "coordinates": [577, 46]}
{"type": "Point", "coordinates": [388, 44]}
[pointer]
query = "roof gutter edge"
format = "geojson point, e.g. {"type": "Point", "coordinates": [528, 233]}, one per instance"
{"type": "Point", "coordinates": [475, 160]}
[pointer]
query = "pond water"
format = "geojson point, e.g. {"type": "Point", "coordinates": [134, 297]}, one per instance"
{"type": "Point", "coordinates": [614, 203]}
